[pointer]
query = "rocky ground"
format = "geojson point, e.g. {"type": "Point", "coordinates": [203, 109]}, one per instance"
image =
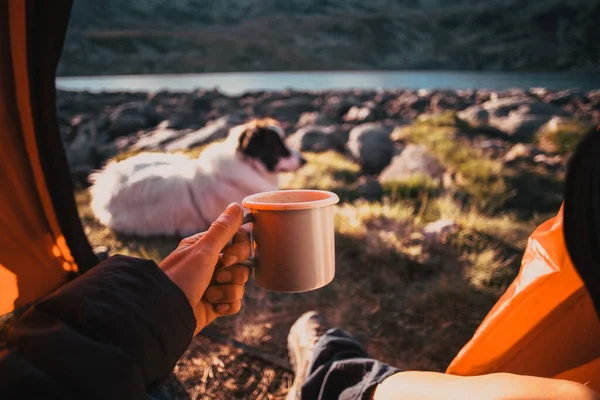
{"type": "Point", "coordinates": [191, 36]}
{"type": "Point", "coordinates": [439, 189]}
{"type": "Point", "coordinates": [366, 125]}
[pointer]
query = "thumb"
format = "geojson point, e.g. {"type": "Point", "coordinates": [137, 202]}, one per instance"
{"type": "Point", "coordinates": [222, 230]}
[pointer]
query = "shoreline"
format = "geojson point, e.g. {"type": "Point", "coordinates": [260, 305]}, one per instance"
{"type": "Point", "coordinates": [237, 83]}
{"type": "Point", "coordinates": [97, 126]}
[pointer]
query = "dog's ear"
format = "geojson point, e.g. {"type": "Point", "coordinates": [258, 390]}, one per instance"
{"type": "Point", "coordinates": [244, 139]}
{"type": "Point", "coordinates": [249, 141]}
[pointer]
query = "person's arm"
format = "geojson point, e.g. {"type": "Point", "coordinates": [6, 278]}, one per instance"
{"type": "Point", "coordinates": [118, 330]}
{"type": "Point", "coordinates": [111, 333]}
{"type": "Point", "coordinates": [413, 385]}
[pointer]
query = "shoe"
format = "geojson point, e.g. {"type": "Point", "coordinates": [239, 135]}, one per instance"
{"type": "Point", "coordinates": [302, 340]}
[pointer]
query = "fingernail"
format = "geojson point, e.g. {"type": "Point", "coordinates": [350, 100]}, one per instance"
{"type": "Point", "coordinates": [214, 295]}
{"type": "Point", "coordinates": [224, 277]}
{"type": "Point", "coordinates": [233, 209]}
{"type": "Point", "coordinates": [228, 260]}
{"type": "Point", "coordinates": [222, 308]}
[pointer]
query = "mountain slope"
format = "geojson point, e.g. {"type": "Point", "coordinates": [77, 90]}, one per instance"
{"type": "Point", "coordinates": [185, 36]}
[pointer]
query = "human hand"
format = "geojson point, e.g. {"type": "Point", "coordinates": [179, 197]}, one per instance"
{"type": "Point", "coordinates": [211, 291]}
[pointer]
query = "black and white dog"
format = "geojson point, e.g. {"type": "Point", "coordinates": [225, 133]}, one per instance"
{"type": "Point", "coordinates": [172, 194]}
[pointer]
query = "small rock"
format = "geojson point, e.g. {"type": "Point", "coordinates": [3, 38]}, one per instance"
{"type": "Point", "coordinates": [88, 151]}
{"type": "Point", "coordinates": [492, 146]}
{"type": "Point", "coordinates": [521, 151]}
{"type": "Point", "coordinates": [104, 151]}
{"type": "Point", "coordinates": [371, 146]}
{"type": "Point", "coordinates": [131, 117]}
{"type": "Point", "coordinates": [359, 114]}
{"type": "Point", "coordinates": [185, 120]}
{"type": "Point", "coordinates": [548, 160]}
{"type": "Point", "coordinates": [439, 231]}
{"type": "Point", "coordinates": [81, 154]}
{"type": "Point", "coordinates": [338, 105]}
{"type": "Point", "coordinates": [316, 139]}
{"type": "Point", "coordinates": [313, 118]}
{"type": "Point", "coordinates": [368, 112]}
{"type": "Point", "coordinates": [101, 252]}
{"type": "Point", "coordinates": [445, 100]}
{"type": "Point", "coordinates": [288, 109]}
{"type": "Point", "coordinates": [415, 159]}
{"type": "Point", "coordinates": [474, 115]}
{"type": "Point", "coordinates": [370, 190]}
{"type": "Point", "coordinates": [518, 117]}
{"type": "Point", "coordinates": [203, 100]}
{"type": "Point", "coordinates": [539, 92]}
{"type": "Point", "coordinates": [564, 97]}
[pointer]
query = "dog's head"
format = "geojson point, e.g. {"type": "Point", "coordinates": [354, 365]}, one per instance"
{"type": "Point", "coordinates": [263, 141]}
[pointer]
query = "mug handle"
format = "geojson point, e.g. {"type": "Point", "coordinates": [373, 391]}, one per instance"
{"type": "Point", "coordinates": [247, 219]}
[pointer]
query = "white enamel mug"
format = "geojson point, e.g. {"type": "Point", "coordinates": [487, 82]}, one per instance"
{"type": "Point", "coordinates": [293, 239]}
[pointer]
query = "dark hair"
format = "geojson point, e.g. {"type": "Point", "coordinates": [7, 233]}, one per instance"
{"type": "Point", "coordinates": [582, 213]}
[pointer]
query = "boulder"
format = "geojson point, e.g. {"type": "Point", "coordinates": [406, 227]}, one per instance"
{"type": "Point", "coordinates": [443, 100]}
{"type": "Point", "coordinates": [408, 104]}
{"type": "Point", "coordinates": [288, 109]}
{"type": "Point", "coordinates": [203, 100]}
{"type": "Point", "coordinates": [185, 119]}
{"type": "Point", "coordinates": [369, 189]}
{"type": "Point", "coordinates": [81, 155]}
{"type": "Point", "coordinates": [338, 105]}
{"type": "Point", "coordinates": [88, 151]}
{"type": "Point", "coordinates": [317, 139]}
{"type": "Point", "coordinates": [131, 117]}
{"type": "Point", "coordinates": [564, 97]}
{"type": "Point", "coordinates": [518, 117]}
{"type": "Point", "coordinates": [414, 160]}
{"type": "Point", "coordinates": [371, 146]}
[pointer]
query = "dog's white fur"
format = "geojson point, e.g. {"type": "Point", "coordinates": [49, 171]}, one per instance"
{"type": "Point", "coordinates": [171, 194]}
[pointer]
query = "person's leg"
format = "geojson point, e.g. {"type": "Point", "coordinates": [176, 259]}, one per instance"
{"type": "Point", "coordinates": [331, 364]}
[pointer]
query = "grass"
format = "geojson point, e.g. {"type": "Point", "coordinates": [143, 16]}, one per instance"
{"type": "Point", "coordinates": [325, 171]}
{"type": "Point", "coordinates": [412, 303]}
{"type": "Point", "coordinates": [561, 136]}
{"type": "Point", "coordinates": [155, 248]}
{"type": "Point", "coordinates": [414, 186]}
{"type": "Point", "coordinates": [477, 176]}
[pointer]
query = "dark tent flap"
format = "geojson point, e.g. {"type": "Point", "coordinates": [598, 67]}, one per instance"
{"type": "Point", "coordinates": [34, 250]}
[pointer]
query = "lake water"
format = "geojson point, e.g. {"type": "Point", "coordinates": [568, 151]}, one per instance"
{"type": "Point", "coordinates": [236, 83]}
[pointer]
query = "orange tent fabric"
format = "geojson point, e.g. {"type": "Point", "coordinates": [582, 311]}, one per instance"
{"type": "Point", "coordinates": [34, 253]}
{"type": "Point", "coordinates": [544, 325]}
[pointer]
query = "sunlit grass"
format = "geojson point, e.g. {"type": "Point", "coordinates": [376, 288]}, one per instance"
{"type": "Point", "coordinates": [412, 187]}
{"type": "Point", "coordinates": [478, 177]}
{"type": "Point", "coordinates": [561, 136]}
{"type": "Point", "coordinates": [325, 171]}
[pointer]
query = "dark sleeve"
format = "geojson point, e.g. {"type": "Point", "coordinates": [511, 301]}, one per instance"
{"type": "Point", "coordinates": [112, 333]}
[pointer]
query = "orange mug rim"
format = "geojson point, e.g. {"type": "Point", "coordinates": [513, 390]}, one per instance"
{"type": "Point", "coordinates": [320, 198]}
